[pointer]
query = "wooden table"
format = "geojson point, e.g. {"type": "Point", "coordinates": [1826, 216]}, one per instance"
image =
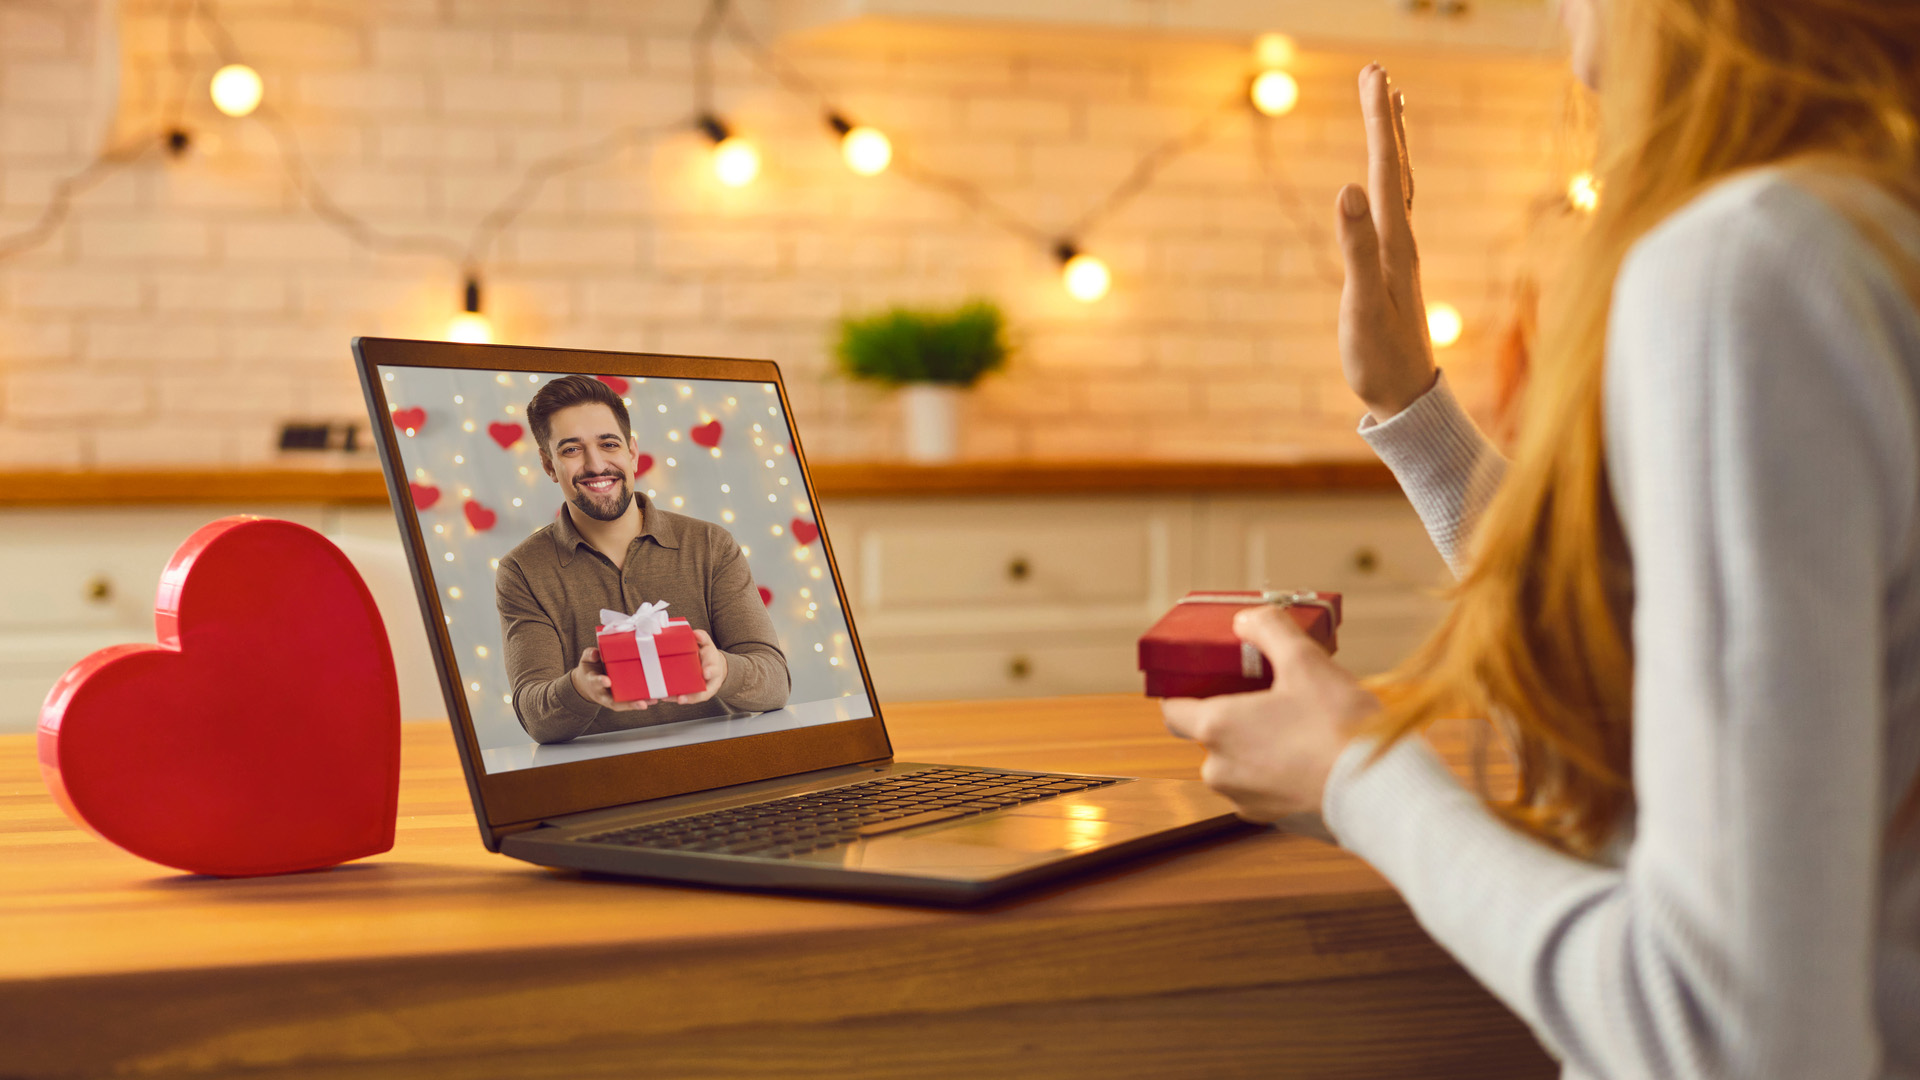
{"type": "Point", "coordinates": [1261, 954]}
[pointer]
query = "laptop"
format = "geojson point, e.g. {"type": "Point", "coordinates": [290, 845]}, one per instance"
{"type": "Point", "coordinates": [785, 778]}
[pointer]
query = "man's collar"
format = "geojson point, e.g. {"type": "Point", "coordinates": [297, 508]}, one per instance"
{"type": "Point", "coordinates": [662, 527]}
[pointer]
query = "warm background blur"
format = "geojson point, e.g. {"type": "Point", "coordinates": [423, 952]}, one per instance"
{"type": "Point", "coordinates": [190, 303]}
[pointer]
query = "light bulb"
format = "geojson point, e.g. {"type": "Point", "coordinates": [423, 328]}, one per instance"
{"type": "Point", "coordinates": [866, 150]}
{"type": "Point", "coordinates": [236, 89]}
{"type": "Point", "coordinates": [735, 161]}
{"type": "Point", "coordinates": [1444, 324]}
{"type": "Point", "coordinates": [470, 327]}
{"type": "Point", "coordinates": [1275, 93]}
{"type": "Point", "coordinates": [1583, 193]}
{"type": "Point", "coordinates": [1086, 278]}
{"type": "Point", "coordinates": [1273, 50]}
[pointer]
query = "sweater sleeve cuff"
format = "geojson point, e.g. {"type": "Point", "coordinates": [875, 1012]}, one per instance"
{"type": "Point", "coordinates": [1368, 803]}
{"type": "Point", "coordinates": [1446, 467]}
{"type": "Point", "coordinates": [568, 697]}
{"type": "Point", "coordinates": [1434, 434]}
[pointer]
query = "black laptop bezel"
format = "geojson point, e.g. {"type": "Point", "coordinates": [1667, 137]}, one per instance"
{"type": "Point", "coordinates": [510, 801]}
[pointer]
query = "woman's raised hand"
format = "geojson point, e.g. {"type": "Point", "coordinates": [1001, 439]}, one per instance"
{"type": "Point", "coordinates": [1386, 352]}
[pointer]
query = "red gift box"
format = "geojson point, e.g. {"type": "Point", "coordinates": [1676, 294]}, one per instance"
{"type": "Point", "coordinates": [1193, 652]}
{"type": "Point", "coordinates": [646, 667]}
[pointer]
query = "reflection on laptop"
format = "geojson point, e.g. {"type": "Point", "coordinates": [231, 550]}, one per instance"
{"type": "Point", "coordinates": [537, 488]}
{"type": "Point", "coordinates": [610, 548]}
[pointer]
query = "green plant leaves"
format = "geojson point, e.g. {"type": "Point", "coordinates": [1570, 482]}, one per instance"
{"type": "Point", "coordinates": [907, 345]}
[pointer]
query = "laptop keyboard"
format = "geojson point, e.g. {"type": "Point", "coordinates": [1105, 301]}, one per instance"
{"type": "Point", "coordinates": [797, 824]}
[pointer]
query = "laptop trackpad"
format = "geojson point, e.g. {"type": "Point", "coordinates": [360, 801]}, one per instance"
{"type": "Point", "coordinates": [998, 841]}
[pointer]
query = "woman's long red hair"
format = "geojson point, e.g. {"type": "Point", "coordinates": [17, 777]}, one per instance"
{"type": "Point", "coordinates": [1537, 636]}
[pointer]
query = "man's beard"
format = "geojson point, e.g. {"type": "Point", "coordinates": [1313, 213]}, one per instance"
{"type": "Point", "coordinates": [608, 507]}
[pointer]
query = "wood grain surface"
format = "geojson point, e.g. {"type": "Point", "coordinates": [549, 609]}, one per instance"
{"type": "Point", "coordinates": [363, 485]}
{"type": "Point", "coordinates": [1258, 954]}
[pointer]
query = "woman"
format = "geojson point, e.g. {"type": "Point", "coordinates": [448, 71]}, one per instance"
{"type": "Point", "coordinates": [1691, 601]}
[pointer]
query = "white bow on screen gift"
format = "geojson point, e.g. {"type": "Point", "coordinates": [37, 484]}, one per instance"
{"type": "Point", "coordinates": [651, 619]}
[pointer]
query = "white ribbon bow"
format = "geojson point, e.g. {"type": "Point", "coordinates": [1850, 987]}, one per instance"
{"type": "Point", "coordinates": [651, 619]}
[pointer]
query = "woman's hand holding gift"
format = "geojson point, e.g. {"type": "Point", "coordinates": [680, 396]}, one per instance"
{"type": "Point", "coordinates": [1271, 751]}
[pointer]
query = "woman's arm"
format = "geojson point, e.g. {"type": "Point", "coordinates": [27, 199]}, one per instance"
{"type": "Point", "coordinates": [1764, 460]}
{"type": "Point", "coordinates": [1445, 465]}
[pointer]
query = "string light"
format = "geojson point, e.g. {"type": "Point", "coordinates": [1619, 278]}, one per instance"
{"type": "Point", "coordinates": [1274, 51]}
{"type": "Point", "coordinates": [236, 90]}
{"type": "Point", "coordinates": [1085, 276]}
{"type": "Point", "coordinates": [1583, 193]}
{"type": "Point", "coordinates": [470, 326]}
{"type": "Point", "coordinates": [735, 160]}
{"type": "Point", "coordinates": [1275, 93]}
{"type": "Point", "coordinates": [1444, 324]}
{"type": "Point", "coordinates": [866, 150]}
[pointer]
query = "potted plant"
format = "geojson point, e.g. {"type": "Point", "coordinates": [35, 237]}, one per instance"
{"type": "Point", "coordinates": [932, 356]}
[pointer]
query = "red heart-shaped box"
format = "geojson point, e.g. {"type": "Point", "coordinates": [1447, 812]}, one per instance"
{"type": "Point", "coordinates": [261, 736]}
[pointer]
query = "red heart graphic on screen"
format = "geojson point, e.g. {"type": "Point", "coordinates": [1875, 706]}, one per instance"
{"type": "Point", "coordinates": [413, 419]}
{"type": "Point", "coordinates": [261, 736]}
{"type": "Point", "coordinates": [766, 596]}
{"type": "Point", "coordinates": [707, 434]}
{"type": "Point", "coordinates": [614, 382]}
{"type": "Point", "coordinates": [424, 496]}
{"type": "Point", "coordinates": [641, 464]}
{"type": "Point", "coordinates": [479, 516]}
{"type": "Point", "coordinates": [805, 531]}
{"type": "Point", "coordinates": [505, 434]}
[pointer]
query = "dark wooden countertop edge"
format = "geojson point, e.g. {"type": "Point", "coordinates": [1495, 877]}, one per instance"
{"type": "Point", "coordinates": [271, 484]}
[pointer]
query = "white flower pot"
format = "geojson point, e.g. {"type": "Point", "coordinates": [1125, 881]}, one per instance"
{"type": "Point", "coordinates": [929, 417]}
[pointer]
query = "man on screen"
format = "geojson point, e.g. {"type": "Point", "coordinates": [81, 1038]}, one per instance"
{"type": "Point", "coordinates": [611, 548]}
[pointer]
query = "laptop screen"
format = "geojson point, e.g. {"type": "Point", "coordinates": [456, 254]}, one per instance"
{"type": "Point", "coordinates": [553, 603]}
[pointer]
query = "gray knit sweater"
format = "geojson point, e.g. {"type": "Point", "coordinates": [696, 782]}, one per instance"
{"type": "Point", "coordinates": [1763, 443]}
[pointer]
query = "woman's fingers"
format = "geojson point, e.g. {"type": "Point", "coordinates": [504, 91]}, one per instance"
{"type": "Point", "coordinates": [1182, 715]}
{"type": "Point", "coordinates": [1274, 633]}
{"type": "Point", "coordinates": [1359, 246]}
{"type": "Point", "coordinates": [1400, 138]}
{"type": "Point", "coordinates": [1389, 181]}
{"type": "Point", "coordinates": [1384, 182]}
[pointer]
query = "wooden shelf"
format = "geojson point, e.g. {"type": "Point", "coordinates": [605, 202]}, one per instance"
{"type": "Point", "coordinates": [833, 480]}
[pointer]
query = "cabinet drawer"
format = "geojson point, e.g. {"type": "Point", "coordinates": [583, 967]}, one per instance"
{"type": "Point", "coordinates": [928, 671]}
{"type": "Point", "coordinates": [1346, 545]}
{"type": "Point", "coordinates": [30, 663]}
{"type": "Point", "coordinates": [75, 569]}
{"type": "Point", "coordinates": [902, 557]}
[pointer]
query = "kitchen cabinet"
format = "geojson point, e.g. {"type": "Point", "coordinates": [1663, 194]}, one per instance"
{"type": "Point", "coordinates": [954, 596]}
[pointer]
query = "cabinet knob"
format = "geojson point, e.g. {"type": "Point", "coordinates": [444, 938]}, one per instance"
{"type": "Point", "coordinates": [1366, 560]}
{"type": "Point", "coordinates": [1019, 569]}
{"type": "Point", "coordinates": [1019, 668]}
{"type": "Point", "coordinates": [100, 590]}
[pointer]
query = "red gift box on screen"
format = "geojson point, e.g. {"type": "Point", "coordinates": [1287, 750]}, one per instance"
{"type": "Point", "coordinates": [1193, 652]}
{"type": "Point", "coordinates": [649, 656]}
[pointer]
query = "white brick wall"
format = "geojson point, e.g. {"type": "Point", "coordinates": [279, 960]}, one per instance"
{"type": "Point", "coordinates": [188, 305]}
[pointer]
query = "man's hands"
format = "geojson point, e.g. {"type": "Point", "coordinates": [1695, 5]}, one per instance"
{"type": "Point", "coordinates": [590, 677]}
{"type": "Point", "coordinates": [1386, 352]}
{"type": "Point", "coordinates": [713, 665]}
{"type": "Point", "coordinates": [1271, 751]}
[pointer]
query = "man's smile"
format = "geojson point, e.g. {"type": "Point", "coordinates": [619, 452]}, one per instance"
{"type": "Point", "coordinates": [598, 485]}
